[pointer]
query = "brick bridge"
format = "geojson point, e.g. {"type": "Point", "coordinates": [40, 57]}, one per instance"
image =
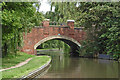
{"type": "Point", "coordinates": [69, 34]}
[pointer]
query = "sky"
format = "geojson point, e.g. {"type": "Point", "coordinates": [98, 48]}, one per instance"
{"type": "Point", "coordinates": [45, 6]}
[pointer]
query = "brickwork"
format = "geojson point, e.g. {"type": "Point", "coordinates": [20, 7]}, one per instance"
{"type": "Point", "coordinates": [39, 33]}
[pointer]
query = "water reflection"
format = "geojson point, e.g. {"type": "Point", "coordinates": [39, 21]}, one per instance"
{"type": "Point", "coordinates": [71, 67]}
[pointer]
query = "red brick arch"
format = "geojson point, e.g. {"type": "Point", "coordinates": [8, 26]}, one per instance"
{"type": "Point", "coordinates": [70, 35]}
{"type": "Point", "coordinates": [57, 37]}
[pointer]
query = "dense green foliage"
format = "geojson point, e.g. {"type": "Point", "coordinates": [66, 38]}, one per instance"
{"type": "Point", "coordinates": [63, 11]}
{"type": "Point", "coordinates": [55, 44]}
{"type": "Point", "coordinates": [101, 21]}
{"type": "Point", "coordinates": [52, 44]}
{"type": "Point", "coordinates": [17, 17]}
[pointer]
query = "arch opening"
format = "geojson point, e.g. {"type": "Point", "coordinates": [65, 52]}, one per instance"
{"type": "Point", "coordinates": [74, 45]}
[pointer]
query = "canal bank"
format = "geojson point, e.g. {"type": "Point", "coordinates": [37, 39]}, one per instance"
{"type": "Point", "coordinates": [41, 51]}
{"type": "Point", "coordinates": [32, 65]}
{"type": "Point", "coordinates": [34, 73]}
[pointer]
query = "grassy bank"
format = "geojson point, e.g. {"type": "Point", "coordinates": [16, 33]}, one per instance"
{"type": "Point", "coordinates": [12, 60]}
{"type": "Point", "coordinates": [35, 63]}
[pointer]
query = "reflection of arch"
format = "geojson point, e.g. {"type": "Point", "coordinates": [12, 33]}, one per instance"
{"type": "Point", "coordinates": [70, 41]}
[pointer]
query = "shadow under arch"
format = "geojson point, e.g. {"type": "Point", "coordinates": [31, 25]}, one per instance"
{"type": "Point", "coordinates": [70, 41]}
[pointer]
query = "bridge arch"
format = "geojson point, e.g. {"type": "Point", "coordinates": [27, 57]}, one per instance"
{"type": "Point", "coordinates": [68, 40]}
{"type": "Point", "coordinates": [67, 33]}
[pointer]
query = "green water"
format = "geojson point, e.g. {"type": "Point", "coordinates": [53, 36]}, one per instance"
{"type": "Point", "coordinates": [75, 67]}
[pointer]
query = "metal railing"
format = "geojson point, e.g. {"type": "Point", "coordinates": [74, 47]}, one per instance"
{"type": "Point", "coordinates": [57, 24]}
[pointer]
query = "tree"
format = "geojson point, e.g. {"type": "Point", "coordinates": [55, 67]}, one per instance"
{"type": "Point", "coordinates": [102, 22]}
{"type": "Point", "coordinates": [63, 11]}
{"type": "Point", "coordinates": [17, 17]}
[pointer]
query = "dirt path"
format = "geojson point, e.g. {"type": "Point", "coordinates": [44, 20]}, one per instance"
{"type": "Point", "coordinates": [18, 65]}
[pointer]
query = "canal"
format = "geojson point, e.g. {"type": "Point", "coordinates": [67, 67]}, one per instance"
{"type": "Point", "coordinates": [74, 67]}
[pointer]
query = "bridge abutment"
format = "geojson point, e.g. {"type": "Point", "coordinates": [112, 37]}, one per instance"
{"type": "Point", "coordinates": [74, 50]}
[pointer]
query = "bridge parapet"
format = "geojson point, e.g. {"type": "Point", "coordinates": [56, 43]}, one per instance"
{"type": "Point", "coordinates": [47, 23]}
{"type": "Point", "coordinates": [70, 24]}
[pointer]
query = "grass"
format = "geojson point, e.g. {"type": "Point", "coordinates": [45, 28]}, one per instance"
{"type": "Point", "coordinates": [35, 63]}
{"type": "Point", "coordinates": [12, 60]}
{"type": "Point", "coordinates": [0, 75]}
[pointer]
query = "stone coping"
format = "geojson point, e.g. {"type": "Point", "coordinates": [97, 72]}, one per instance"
{"type": "Point", "coordinates": [46, 19]}
{"type": "Point", "coordinates": [70, 20]}
{"type": "Point", "coordinates": [35, 71]}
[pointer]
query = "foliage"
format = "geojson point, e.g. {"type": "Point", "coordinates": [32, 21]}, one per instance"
{"type": "Point", "coordinates": [52, 44]}
{"type": "Point", "coordinates": [112, 45]}
{"type": "Point", "coordinates": [63, 11]}
{"type": "Point", "coordinates": [38, 18]}
{"type": "Point", "coordinates": [101, 22]}
{"type": "Point", "coordinates": [88, 49]}
{"type": "Point", "coordinates": [17, 17]}
{"type": "Point", "coordinates": [55, 44]}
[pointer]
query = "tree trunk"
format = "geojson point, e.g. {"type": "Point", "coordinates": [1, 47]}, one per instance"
{"type": "Point", "coordinates": [5, 49]}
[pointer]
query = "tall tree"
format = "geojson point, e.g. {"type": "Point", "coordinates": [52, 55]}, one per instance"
{"type": "Point", "coordinates": [17, 17]}
{"type": "Point", "coordinates": [102, 23]}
